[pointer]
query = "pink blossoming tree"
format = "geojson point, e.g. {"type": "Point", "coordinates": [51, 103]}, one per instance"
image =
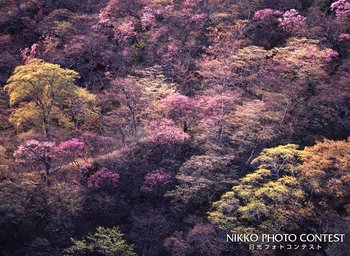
{"type": "Point", "coordinates": [180, 108]}
{"type": "Point", "coordinates": [48, 154]}
{"type": "Point", "coordinates": [148, 18]}
{"type": "Point", "coordinates": [341, 9]}
{"type": "Point", "coordinates": [103, 178]}
{"type": "Point", "coordinates": [344, 36]}
{"type": "Point", "coordinates": [155, 179]}
{"type": "Point", "coordinates": [292, 21]}
{"type": "Point", "coordinates": [70, 149]}
{"type": "Point", "coordinates": [265, 14]}
{"type": "Point", "coordinates": [164, 131]}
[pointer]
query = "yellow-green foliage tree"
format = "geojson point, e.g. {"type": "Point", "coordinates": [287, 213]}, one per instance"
{"type": "Point", "coordinates": [270, 199]}
{"type": "Point", "coordinates": [45, 95]}
{"type": "Point", "coordinates": [105, 241]}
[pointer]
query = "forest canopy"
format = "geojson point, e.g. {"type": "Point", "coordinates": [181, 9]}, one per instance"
{"type": "Point", "coordinates": [156, 127]}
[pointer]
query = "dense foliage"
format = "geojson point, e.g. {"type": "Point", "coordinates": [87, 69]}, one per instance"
{"type": "Point", "coordinates": [155, 127]}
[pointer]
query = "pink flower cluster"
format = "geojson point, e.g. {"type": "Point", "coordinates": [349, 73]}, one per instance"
{"type": "Point", "coordinates": [341, 9]}
{"type": "Point", "coordinates": [292, 21]}
{"type": "Point", "coordinates": [125, 30]}
{"type": "Point", "coordinates": [75, 184]}
{"type": "Point", "coordinates": [330, 55]}
{"type": "Point", "coordinates": [37, 151]}
{"type": "Point", "coordinates": [216, 105]}
{"type": "Point", "coordinates": [105, 15]}
{"type": "Point", "coordinates": [154, 179]}
{"type": "Point", "coordinates": [33, 151]}
{"type": "Point", "coordinates": [148, 18]}
{"type": "Point", "coordinates": [164, 131]}
{"type": "Point", "coordinates": [265, 14]}
{"type": "Point", "coordinates": [30, 53]}
{"type": "Point", "coordinates": [173, 48]}
{"type": "Point", "coordinates": [198, 18]}
{"type": "Point", "coordinates": [72, 147]}
{"type": "Point", "coordinates": [344, 36]}
{"type": "Point", "coordinates": [320, 57]}
{"type": "Point", "coordinates": [104, 19]}
{"type": "Point", "coordinates": [177, 104]}
{"type": "Point", "coordinates": [103, 177]}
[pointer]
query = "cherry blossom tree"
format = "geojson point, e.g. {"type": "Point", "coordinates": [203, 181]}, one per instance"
{"type": "Point", "coordinates": [292, 21]}
{"type": "Point", "coordinates": [103, 178]}
{"type": "Point", "coordinates": [164, 131]}
{"type": "Point", "coordinates": [341, 9]}
{"type": "Point", "coordinates": [180, 108]}
{"type": "Point", "coordinates": [36, 152]}
{"type": "Point", "coordinates": [344, 36]}
{"type": "Point", "coordinates": [155, 179]}
{"type": "Point", "coordinates": [48, 154]}
{"type": "Point", "coordinates": [70, 149]}
{"type": "Point", "coordinates": [265, 14]}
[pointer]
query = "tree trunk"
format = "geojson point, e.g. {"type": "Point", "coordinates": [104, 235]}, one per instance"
{"type": "Point", "coordinates": [185, 126]}
{"type": "Point", "coordinates": [46, 130]}
{"type": "Point", "coordinates": [47, 174]}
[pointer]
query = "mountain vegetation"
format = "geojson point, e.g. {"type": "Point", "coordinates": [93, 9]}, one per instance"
{"type": "Point", "coordinates": [156, 127]}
